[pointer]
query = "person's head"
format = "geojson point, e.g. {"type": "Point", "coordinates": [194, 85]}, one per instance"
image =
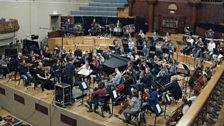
{"type": "Point", "coordinates": [146, 90]}
{"type": "Point", "coordinates": [154, 87]}
{"type": "Point", "coordinates": [135, 93]}
{"type": "Point", "coordinates": [40, 64]}
{"type": "Point", "coordinates": [101, 85]}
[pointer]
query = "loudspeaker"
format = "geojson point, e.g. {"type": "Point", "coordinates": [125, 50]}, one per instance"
{"type": "Point", "coordinates": [62, 94]}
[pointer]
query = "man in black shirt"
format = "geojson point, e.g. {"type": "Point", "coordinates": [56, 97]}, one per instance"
{"type": "Point", "coordinates": [69, 73]}
{"type": "Point", "coordinates": [40, 76]}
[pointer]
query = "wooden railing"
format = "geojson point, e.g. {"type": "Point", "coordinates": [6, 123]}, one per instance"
{"type": "Point", "coordinates": [198, 113]}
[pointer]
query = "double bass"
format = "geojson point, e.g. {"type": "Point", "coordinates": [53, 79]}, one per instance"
{"type": "Point", "coordinates": [197, 74]}
{"type": "Point", "coordinates": [200, 82]}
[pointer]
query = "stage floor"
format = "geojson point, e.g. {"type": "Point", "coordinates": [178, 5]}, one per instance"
{"type": "Point", "coordinates": [81, 110]}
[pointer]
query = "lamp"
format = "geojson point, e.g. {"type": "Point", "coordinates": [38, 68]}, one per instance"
{"type": "Point", "coordinates": [172, 8]}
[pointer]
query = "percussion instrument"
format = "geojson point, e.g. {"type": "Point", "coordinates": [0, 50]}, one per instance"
{"type": "Point", "coordinates": [78, 28]}
{"type": "Point", "coordinates": [129, 28]}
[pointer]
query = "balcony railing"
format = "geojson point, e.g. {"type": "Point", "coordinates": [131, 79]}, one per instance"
{"type": "Point", "coordinates": [205, 110]}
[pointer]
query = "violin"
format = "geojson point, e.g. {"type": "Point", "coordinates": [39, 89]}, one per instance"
{"type": "Point", "coordinates": [145, 96]}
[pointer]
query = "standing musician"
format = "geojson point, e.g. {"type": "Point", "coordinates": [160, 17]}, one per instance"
{"type": "Point", "coordinates": [134, 106]}
{"type": "Point", "coordinates": [98, 94]}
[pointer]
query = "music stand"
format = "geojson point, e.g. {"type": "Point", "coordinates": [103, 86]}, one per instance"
{"type": "Point", "coordinates": [167, 101]}
{"type": "Point", "coordinates": [113, 97]}
{"type": "Point", "coordinates": [157, 110]}
{"type": "Point", "coordinates": [83, 86]}
{"type": "Point", "coordinates": [86, 73]}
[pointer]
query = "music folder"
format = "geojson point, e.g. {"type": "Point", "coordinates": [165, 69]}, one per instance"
{"type": "Point", "coordinates": [85, 72]}
{"type": "Point", "coordinates": [114, 94]}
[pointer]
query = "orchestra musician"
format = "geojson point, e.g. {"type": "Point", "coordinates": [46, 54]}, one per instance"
{"type": "Point", "coordinates": [151, 100]}
{"type": "Point", "coordinates": [43, 78]}
{"type": "Point", "coordinates": [114, 80]}
{"type": "Point", "coordinates": [134, 106]}
{"type": "Point", "coordinates": [3, 67]}
{"type": "Point", "coordinates": [173, 89]}
{"type": "Point", "coordinates": [23, 69]}
{"type": "Point", "coordinates": [98, 94]}
{"type": "Point", "coordinates": [187, 30]}
{"type": "Point", "coordinates": [131, 46]}
{"type": "Point", "coordinates": [167, 38]}
{"type": "Point", "coordinates": [145, 51]}
{"type": "Point", "coordinates": [141, 34]}
{"type": "Point", "coordinates": [155, 37]}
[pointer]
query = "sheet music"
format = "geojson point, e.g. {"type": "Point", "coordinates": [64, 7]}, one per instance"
{"type": "Point", "coordinates": [114, 93]}
{"type": "Point", "coordinates": [84, 85]}
{"type": "Point", "coordinates": [158, 108]}
{"type": "Point", "coordinates": [85, 72]}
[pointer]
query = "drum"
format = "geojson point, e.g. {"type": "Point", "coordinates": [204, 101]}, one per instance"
{"type": "Point", "coordinates": [78, 28]}
{"type": "Point", "coordinates": [129, 28]}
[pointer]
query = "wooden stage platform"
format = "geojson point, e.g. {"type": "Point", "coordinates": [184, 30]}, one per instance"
{"type": "Point", "coordinates": [37, 108]}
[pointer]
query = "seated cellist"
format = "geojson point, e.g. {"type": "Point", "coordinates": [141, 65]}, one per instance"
{"type": "Point", "coordinates": [134, 106]}
{"type": "Point", "coordinates": [99, 93]}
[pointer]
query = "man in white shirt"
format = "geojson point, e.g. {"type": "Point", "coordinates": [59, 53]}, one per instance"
{"type": "Point", "coordinates": [141, 34]}
{"type": "Point", "coordinates": [131, 46]}
{"type": "Point", "coordinates": [211, 46]}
